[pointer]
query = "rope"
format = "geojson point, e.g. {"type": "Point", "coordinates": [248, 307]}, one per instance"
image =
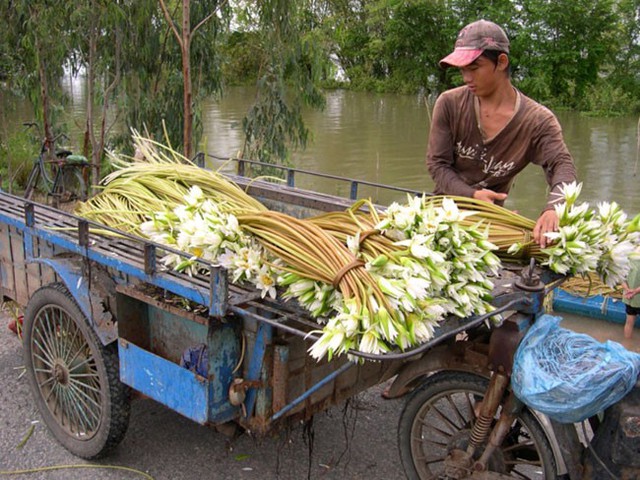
{"type": "Point", "coordinates": [364, 234]}
{"type": "Point", "coordinates": [341, 273]}
{"type": "Point", "coordinates": [526, 242]}
{"type": "Point", "coordinates": [66, 467]}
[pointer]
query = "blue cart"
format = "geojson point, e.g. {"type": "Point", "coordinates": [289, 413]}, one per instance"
{"type": "Point", "coordinates": [102, 317]}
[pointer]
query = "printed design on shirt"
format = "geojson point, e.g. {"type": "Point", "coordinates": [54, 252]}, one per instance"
{"type": "Point", "coordinates": [490, 166]}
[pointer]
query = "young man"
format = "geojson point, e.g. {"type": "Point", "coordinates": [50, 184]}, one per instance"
{"type": "Point", "coordinates": [631, 297]}
{"type": "Point", "coordinates": [485, 132]}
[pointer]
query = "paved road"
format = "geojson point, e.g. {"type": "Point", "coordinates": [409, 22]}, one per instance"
{"type": "Point", "coordinates": [358, 442]}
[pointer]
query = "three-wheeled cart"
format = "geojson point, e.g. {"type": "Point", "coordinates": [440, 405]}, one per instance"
{"type": "Point", "coordinates": [102, 316]}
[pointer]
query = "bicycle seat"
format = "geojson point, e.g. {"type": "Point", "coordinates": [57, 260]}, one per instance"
{"type": "Point", "coordinates": [79, 160]}
{"type": "Point", "coordinates": [63, 153]}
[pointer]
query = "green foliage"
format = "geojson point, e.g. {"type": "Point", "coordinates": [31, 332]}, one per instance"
{"type": "Point", "coordinates": [241, 58]}
{"type": "Point", "coordinates": [36, 38]}
{"type": "Point", "coordinates": [292, 67]}
{"type": "Point", "coordinates": [605, 99]}
{"type": "Point", "coordinates": [572, 40]}
{"type": "Point", "coordinates": [17, 153]}
{"type": "Point", "coordinates": [153, 87]}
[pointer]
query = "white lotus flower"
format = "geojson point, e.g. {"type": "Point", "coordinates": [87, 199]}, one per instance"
{"type": "Point", "coordinates": [419, 245]}
{"type": "Point", "coordinates": [370, 343]}
{"type": "Point", "coordinates": [423, 330]}
{"type": "Point", "coordinates": [194, 196]}
{"type": "Point", "coordinates": [266, 282]}
{"type": "Point", "coordinates": [418, 287]}
{"type": "Point", "coordinates": [571, 191]}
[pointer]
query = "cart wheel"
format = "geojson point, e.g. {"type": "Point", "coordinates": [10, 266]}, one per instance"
{"type": "Point", "coordinates": [438, 418]}
{"type": "Point", "coordinates": [74, 378]}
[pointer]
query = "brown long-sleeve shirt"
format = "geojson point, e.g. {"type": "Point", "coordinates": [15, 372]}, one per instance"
{"type": "Point", "coordinates": [461, 161]}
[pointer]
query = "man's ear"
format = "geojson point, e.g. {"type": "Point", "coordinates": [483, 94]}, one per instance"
{"type": "Point", "coordinates": [503, 61]}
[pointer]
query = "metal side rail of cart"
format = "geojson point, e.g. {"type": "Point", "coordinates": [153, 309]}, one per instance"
{"type": "Point", "coordinates": [103, 315]}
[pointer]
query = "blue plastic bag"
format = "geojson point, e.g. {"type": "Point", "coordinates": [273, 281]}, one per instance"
{"type": "Point", "coordinates": [196, 359]}
{"type": "Point", "coordinates": [570, 376]}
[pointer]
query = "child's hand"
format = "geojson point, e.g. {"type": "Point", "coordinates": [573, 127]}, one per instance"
{"type": "Point", "coordinates": [629, 293]}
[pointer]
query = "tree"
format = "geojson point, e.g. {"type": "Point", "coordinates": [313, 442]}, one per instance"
{"type": "Point", "coordinates": [184, 36]}
{"type": "Point", "coordinates": [292, 63]}
{"type": "Point", "coordinates": [568, 44]}
{"type": "Point", "coordinates": [38, 36]}
{"type": "Point", "coordinates": [103, 24]}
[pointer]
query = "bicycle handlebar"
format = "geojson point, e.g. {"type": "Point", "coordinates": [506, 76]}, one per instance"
{"type": "Point", "coordinates": [45, 140]}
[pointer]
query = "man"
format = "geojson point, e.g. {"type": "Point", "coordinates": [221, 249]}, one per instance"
{"type": "Point", "coordinates": [485, 132]}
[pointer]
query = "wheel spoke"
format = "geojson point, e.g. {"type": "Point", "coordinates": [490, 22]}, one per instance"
{"type": "Point", "coordinates": [90, 413]}
{"type": "Point", "coordinates": [55, 400]}
{"type": "Point", "coordinates": [84, 385]}
{"type": "Point", "coordinates": [65, 341]}
{"type": "Point", "coordinates": [442, 432]}
{"type": "Point", "coordinates": [429, 440]}
{"type": "Point", "coordinates": [83, 394]}
{"type": "Point", "coordinates": [88, 409]}
{"type": "Point", "coordinates": [43, 346]}
{"type": "Point", "coordinates": [76, 412]}
{"type": "Point", "coordinates": [47, 380]}
{"type": "Point", "coordinates": [45, 361]}
{"type": "Point", "coordinates": [445, 418]}
{"type": "Point", "coordinates": [79, 341]}
{"type": "Point", "coordinates": [47, 319]}
{"type": "Point", "coordinates": [81, 364]}
{"type": "Point", "coordinates": [421, 457]}
{"type": "Point", "coordinates": [456, 410]}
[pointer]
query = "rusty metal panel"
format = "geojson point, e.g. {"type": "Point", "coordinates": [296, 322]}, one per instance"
{"type": "Point", "coordinates": [34, 270]}
{"type": "Point", "coordinates": [47, 274]}
{"type": "Point", "coordinates": [17, 256]}
{"type": "Point", "coordinates": [164, 381]}
{"type": "Point", "coordinates": [171, 335]}
{"type": "Point", "coordinates": [7, 282]}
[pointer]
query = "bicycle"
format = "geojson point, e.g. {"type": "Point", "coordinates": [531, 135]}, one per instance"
{"type": "Point", "coordinates": [63, 175]}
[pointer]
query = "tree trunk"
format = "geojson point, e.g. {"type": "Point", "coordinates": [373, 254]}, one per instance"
{"type": "Point", "coordinates": [91, 80]}
{"type": "Point", "coordinates": [44, 95]}
{"type": "Point", "coordinates": [186, 74]}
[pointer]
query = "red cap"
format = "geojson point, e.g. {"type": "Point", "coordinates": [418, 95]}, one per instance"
{"type": "Point", "coordinates": [474, 39]}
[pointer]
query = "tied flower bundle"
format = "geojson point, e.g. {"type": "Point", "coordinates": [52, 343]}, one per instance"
{"type": "Point", "coordinates": [589, 240]}
{"type": "Point", "coordinates": [424, 262]}
{"type": "Point", "coordinates": [205, 230]}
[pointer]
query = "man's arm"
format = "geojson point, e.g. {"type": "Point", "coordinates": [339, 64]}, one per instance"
{"type": "Point", "coordinates": [553, 156]}
{"type": "Point", "coordinates": [440, 154]}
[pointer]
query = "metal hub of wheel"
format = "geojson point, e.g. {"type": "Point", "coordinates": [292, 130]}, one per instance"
{"type": "Point", "coordinates": [61, 373]}
{"type": "Point", "coordinates": [66, 373]}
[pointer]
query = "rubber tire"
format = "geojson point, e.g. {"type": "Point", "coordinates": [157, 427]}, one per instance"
{"type": "Point", "coordinates": [451, 381]}
{"type": "Point", "coordinates": [113, 397]}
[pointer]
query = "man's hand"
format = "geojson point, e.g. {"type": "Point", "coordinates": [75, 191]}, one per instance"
{"type": "Point", "coordinates": [547, 222]}
{"type": "Point", "coordinates": [490, 196]}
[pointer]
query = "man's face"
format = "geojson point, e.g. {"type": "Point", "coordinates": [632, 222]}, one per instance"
{"type": "Point", "coordinates": [481, 76]}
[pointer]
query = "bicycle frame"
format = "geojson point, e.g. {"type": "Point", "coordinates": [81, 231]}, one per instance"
{"type": "Point", "coordinates": [55, 184]}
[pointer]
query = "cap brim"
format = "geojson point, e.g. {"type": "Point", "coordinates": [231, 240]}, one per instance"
{"type": "Point", "coordinates": [461, 57]}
